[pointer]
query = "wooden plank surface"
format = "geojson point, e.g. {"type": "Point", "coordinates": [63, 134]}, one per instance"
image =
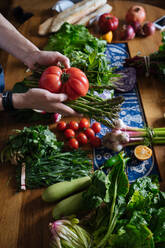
{"type": "Point", "coordinates": [24, 217]}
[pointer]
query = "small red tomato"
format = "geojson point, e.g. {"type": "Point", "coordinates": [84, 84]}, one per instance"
{"type": "Point", "coordinates": [89, 133]}
{"type": "Point", "coordinates": [61, 125]}
{"type": "Point", "coordinates": [82, 138]}
{"type": "Point", "coordinates": [95, 141]}
{"type": "Point", "coordinates": [96, 126]}
{"type": "Point", "coordinates": [69, 133]}
{"type": "Point", "coordinates": [108, 22]}
{"type": "Point", "coordinates": [84, 123]}
{"type": "Point", "coordinates": [74, 125]}
{"type": "Point", "coordinates": [73, 143]}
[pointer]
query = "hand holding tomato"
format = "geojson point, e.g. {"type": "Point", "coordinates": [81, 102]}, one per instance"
{"type": "Point", "coordinates": [44, 100]}
{"type": "Point", "coordinates": [108, 22]}
{"type": "Point", "coordinates": [71, 81]}
{"type": "Point", "coordinates": [45, 58]}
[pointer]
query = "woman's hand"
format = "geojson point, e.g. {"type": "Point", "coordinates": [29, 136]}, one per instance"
{"type": "Point", "coordinates": [43, 100]}
{"type": "Point", "coordinates": [46, 58]}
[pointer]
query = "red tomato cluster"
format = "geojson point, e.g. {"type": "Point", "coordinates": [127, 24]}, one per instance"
{"type": "Point", "coordinates": [71, 81]}
{"type": "Point", "coordinates": [81, 133]}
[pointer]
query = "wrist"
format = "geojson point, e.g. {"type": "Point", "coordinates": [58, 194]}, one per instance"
{"type": "Point", "coordinates": [19, 101]}
{"type": "Point", "coordinates": [1, 106]}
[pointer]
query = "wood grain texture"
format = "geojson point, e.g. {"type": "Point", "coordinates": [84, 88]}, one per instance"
{"type": "Point", "coordinates": [24, 217]}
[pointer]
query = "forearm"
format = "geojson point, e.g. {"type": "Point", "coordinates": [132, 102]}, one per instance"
{"type": "Point", "coordinates": [14, 42]}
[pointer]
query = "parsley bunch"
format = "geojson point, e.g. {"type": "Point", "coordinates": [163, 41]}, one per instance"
{"type": "Point", "coordinates": [45, 159]}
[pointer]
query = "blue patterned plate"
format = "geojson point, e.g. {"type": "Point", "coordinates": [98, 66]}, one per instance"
{"type": "Point", "coordinates": [132, 115]}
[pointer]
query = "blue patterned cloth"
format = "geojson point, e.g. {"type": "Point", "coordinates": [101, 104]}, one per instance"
{"type": "Point", "coordinates": [2, 80]}
{"type": "Point", "coordinates": [132, 115]}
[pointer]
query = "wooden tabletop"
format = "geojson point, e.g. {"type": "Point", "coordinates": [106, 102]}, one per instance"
{"type": "Point", "coordinates": [24, 216]}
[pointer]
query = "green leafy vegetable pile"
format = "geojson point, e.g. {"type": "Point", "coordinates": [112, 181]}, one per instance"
{"type": "Point", "coordinates": [125, 216]}
{"type": "Point", "coordinates": [85, 52]}
{"type": "Point", "coordinates": [45, 159]}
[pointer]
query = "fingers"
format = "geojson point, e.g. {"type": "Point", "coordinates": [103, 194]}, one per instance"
{"type": "Point", "coordinates": [64, 60]}
{"type": "Point", "coordinates": [59, 97]}
{"type": "Point", "coordinates": [62, 108]}
{"type": "Point", "coordinates": [50, 102]}
{"type": "Point", "coordinates": [55, 58]}
{"type": "Point", "coordinates": [47, 58]}
{"type": "Point", "coordinates": [65, 110]}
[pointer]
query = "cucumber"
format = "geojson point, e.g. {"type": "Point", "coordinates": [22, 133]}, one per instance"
{"type": "Point", "coordinates": [68, 206]}
{"type": "Point", "coordinates": [58, 191]}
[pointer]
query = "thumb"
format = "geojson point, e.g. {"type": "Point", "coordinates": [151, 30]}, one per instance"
{"type": "Point", "coordinates": [60, 97]}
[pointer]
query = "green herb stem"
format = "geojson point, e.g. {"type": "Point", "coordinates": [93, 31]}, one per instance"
{"type": "Point", "coordinates": [101, 87]}
{"type": "Point", "coordinates": [111, 223]}
{"type": "Point", "coordinates": [159, 133]}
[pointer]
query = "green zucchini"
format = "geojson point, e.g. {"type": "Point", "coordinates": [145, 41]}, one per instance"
{"type": "Point", "coordinates": [58, 191]}
{"type": "Point", "coordinates": [68, 206]}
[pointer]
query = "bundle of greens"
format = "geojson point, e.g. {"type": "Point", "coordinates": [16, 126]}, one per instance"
{"type": "Point", "coordinates": [85, 52]}
{"type": "Point", "coordinates": [44, 158]}
{"type": "Point", "coordinates": [115, 213]}
{"type": "Point", "coordinates": [122, 136]}
{"type": "Point", "coordinates": [153, 64]}
{"type": "Point", "coordinates": [125, 216]}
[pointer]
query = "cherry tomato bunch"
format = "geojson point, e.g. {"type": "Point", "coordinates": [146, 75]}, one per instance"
{"type": "Point", "coordinates": [80, 133]}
